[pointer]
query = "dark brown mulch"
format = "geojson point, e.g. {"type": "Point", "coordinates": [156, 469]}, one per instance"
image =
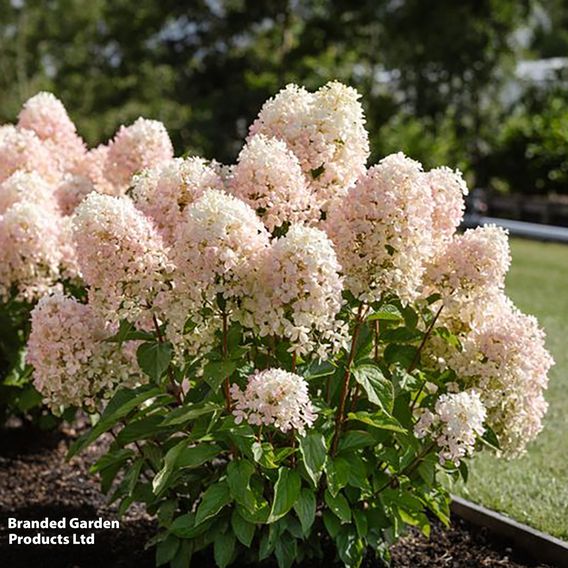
{"type": "Point", "coordinates": [36, 482]}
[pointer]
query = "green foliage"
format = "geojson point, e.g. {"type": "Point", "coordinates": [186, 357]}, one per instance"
{"type": "Point", "coordinates": [352, 482]}
{"type": "Point", "coordinates": [111, 62]}
{"type": "Point", "coordinates": [532, 152]}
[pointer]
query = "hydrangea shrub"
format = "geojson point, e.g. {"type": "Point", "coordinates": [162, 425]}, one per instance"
{"type": "Point", "coordinates": [289, 352]}
{"type": "Point", "coordinates": [46, 171]}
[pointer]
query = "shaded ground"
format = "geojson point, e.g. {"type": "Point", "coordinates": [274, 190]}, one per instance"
{"type": "Point", "coordinates": [37, 482]}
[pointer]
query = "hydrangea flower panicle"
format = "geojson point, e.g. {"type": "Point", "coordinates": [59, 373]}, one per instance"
{"type": "Point", "coordinates": [165, 191]}
{"type": "Point", "coordinates": [268, 177]}
{"type": "Point", "coordinates": [73, 365]}
{"type": "Point", "coordinates": [143, 144]}
{"type": "Point", "coordinates": [274, 397]}
{"type": "Point", "coordinates": [382, 230]}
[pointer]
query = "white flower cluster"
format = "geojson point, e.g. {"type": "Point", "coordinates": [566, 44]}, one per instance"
{"type": "Point", "coordinates": [504, 357]}
{"type": "Point", "coordinates": [268, 177]}
{"type": "Point", "coordinates": [455, 424]}
{"type": "Point", "coordinates": [214, 248]}
{"type": "Point", "coordinates": [274, 397]}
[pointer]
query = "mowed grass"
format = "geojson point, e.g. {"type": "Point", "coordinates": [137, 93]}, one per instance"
{"type": "Point", "coordinates": [534, 488]}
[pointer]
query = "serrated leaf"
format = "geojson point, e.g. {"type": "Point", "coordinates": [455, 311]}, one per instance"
{"type": "Point", "coordinates": [189, 412]}
{"type": "Point", "coordinates": [387, 312]}
{"type": "Point", "coordinates": [377, 420]}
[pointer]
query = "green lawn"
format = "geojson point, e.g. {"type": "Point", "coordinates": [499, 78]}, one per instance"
{"type": "Point", "coordinates": [534, 488]}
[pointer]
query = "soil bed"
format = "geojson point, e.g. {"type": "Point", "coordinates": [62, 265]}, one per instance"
{"type": "Point", "coordinates": [36, 482]}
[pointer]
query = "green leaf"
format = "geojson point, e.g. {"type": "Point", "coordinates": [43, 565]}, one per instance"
{"type": "Point", "coordinates": [243, 530]}
{"type": "Point", "coordinates": [355, 440]}
{"type": "Point", "coordinates": [154, 358]}
{"type": "Point", "coordinates": [332, 523]}
{"type": "Point", "coordinates": [239, 473]}
{"type": "Point", "coordinates": [379, 389]}
{"type": "Point", "coordinates": [314, 454]}
{"type": "Point", "coordinates": [185, 527]}
{"type": "Point", "coordinates": [490, 439]}
{"type": "Point", "coordinates": [224, 548]}
{"type": "Point", "coordinates": [183, 557]}
{"type": "Point", "coordinates": [189, 412]}
{"type": "Point", "coordinates": [318, 369]}
{"type": "Point", "coordinates": [121, 404]}
{"type": "Point", "coordinates": [400, 353]}
{"type": "Point", "coordinates": [215, 372]}
{"type": "Point", "coordinates": [214, 499]}
{"type": "Point", "coordinates": [160, 481]}
{"type": "Point", "coordinates": [410, 317]}
{"type": "Point", "coordinates": [263, 454]}
{"type": "Point", "coordinates": [286, 491]}
{"type": "Point", "coordinates": [166, 550]}
{"type": "Point", "coordinates": [145, 427]}
{"type": "Point", "coordinates": [360, 522]}
{"type": "Point", "coordinates": [349, 548]}
{"type": "Point", "coordinates": [198, 455]}
{"type": "Point", "coordinates": [285, 551]}
{"type": "Point", "coordinates": [339, 505]}
{"type": "Point", "coordinates": [387, 312]}
{"type": "Point", "coordinates": [338, 471]}
{"type": "Point", "coordinates": [377, 420]}
{"type": "Point", "coordinates": [305, 508]}
{"type": "Point", "coordinates": [180, 456]}
{"type": "Point", "coordinates": [127, 332]}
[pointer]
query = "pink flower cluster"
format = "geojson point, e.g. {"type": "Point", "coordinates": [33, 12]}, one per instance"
{"type": "Point", "coordinates": [274, 397]}
{"type": "Point", "coordinates": [36, 251]}
{"type": "Point", "coordinates": [325, 130]}
{"type": "Point", "coordinates": [165, 191]}
{"type": "Point", "coordinates": [72, 363]}
{"type": "Point", "coordinates": [382, 230]}
{"type": "Point", "coordinates": [504, 357]}
{"type": "Point", "coordinates": [296, 293]}
{"type": "Point", "coordinates": [268, 177]}
{"type": "Point", "coordinates": [471, 267]}
{"type": "Point", "coordinates": [144, 144]}
{"type": "Point", "coordinates": [214, 248]}
{"type": "Point", "coordinates": [45, 115]}
{"type": "Point", "coordinates": [122, 258]}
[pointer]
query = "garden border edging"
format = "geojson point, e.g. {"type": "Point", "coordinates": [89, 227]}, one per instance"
{"type": "Point", "coordinates": [536, 544]}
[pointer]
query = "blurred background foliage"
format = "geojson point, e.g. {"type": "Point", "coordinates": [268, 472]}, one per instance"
{"type": "Point", "coordinates": [476, 84]}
